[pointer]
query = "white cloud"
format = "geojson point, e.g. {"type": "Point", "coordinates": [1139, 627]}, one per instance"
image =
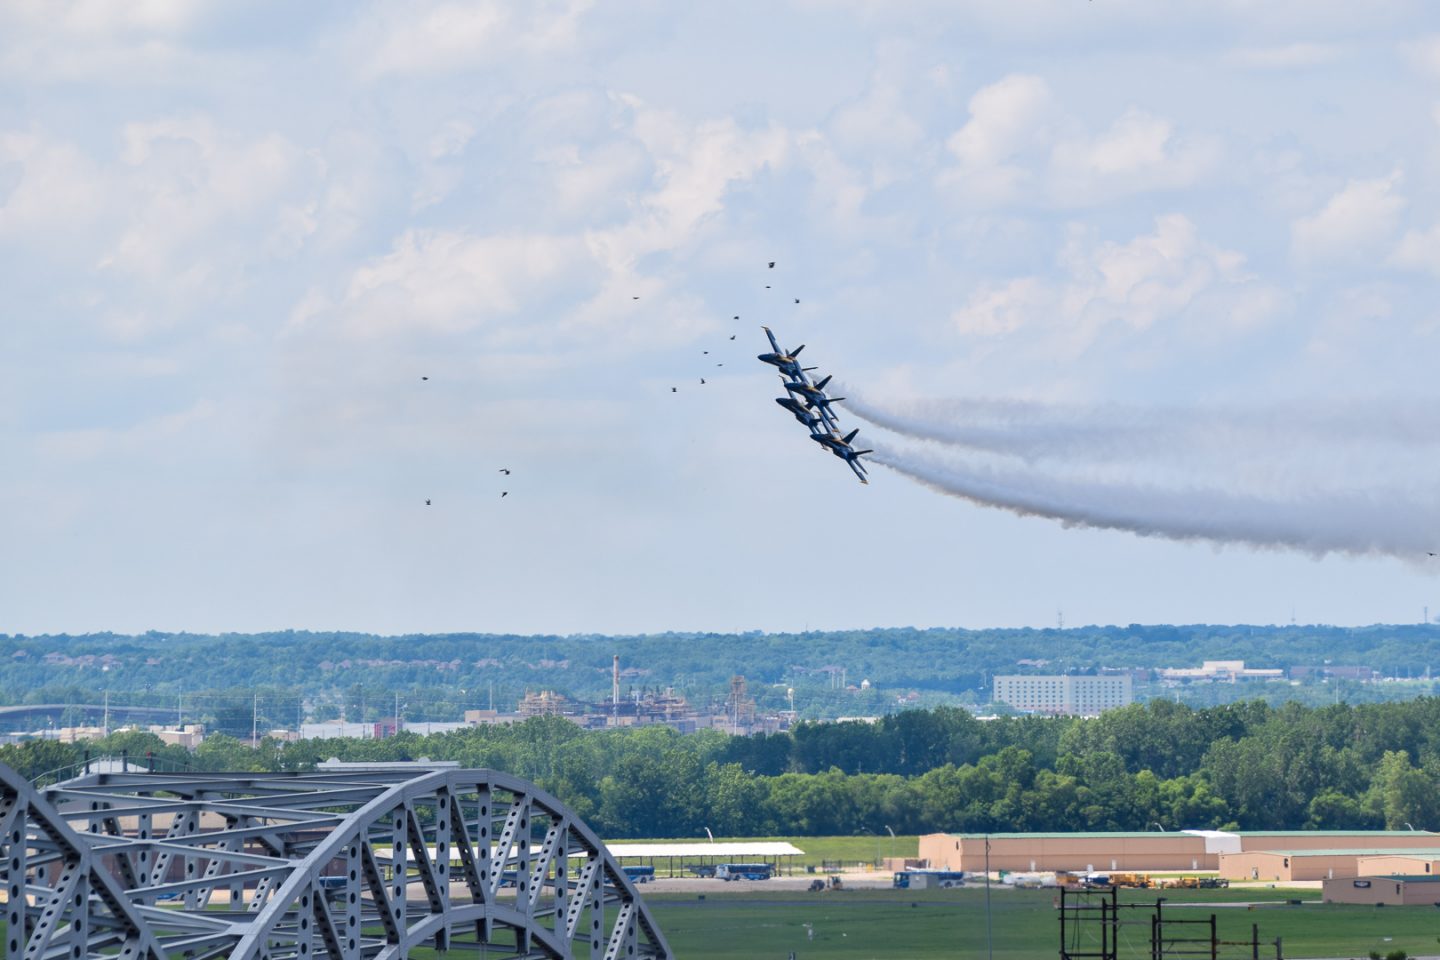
{"type": "Point", "coordinates": [694, 164]}
{"type": "Point", "coordinates": [1154, 280]}
{"type": "Point", "coordinates": [1139, 152]}
{"type": "Point", "coordinates": [448, 282]}
{"type": "Point", "coordinates": [1008, 119]}
{"type": "Point", "coordinates": [1006, 308]}
{"type": "Point", "coordinates": [1419, 250]}
{"type": "Point", "coordinates": [1423, 54]}
{"type": "Point", "coordinates": [445, 37]}
{"type": "Point", "coordinates": [1352, 224]}
{"type": "Point", "coordinates": [1289, 56]}
{"type": "Point", "coordinates": [72, 40]}
{"type": "Point", "coordinates": [1019, 144]}
{"type": "Point", "coordinates": [55, 190]}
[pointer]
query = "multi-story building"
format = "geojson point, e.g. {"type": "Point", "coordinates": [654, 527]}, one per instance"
{"type": "Point", "coordinates": [1075, 696]}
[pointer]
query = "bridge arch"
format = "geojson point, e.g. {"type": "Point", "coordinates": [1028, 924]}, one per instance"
{"type": "Point", "coordinates": [347, 863]}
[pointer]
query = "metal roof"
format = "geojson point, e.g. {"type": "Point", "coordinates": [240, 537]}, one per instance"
{"type": "Point", "coordinates": [1081, 835]}
{"type": "Point", "coordinates": [1426, 853]}
{"type": "Point", "coordinates": [723, 851]}
{"type": "Point", "coordinates": [1335, 833]}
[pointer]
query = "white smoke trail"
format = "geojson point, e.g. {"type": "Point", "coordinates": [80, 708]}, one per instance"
{"type": "Point", "coordinates": [1036, 432]}
{"type": "Point", "coordinates": [1319, 523]}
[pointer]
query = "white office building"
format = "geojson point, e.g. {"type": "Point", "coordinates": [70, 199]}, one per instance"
{"type": "Point", "coordinates": [1072, 696]}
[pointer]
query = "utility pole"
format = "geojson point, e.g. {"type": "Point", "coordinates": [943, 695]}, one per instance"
{"type": "Point", "coordinates": [989, 940]}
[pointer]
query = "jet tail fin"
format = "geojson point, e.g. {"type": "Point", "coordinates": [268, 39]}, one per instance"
{"type": "Point", "coordinates": [851, 435]}
{"type": "Point", "coordinates": [821, 384]}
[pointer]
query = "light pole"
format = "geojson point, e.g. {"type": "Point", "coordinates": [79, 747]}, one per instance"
{"type": "Point", "coordinates": [989, 940]}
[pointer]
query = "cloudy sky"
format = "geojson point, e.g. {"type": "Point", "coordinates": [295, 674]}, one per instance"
{"type": "Point", "coordinates": [235, 236]}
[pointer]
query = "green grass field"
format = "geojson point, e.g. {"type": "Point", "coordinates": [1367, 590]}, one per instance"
{"type": "Point", "coordinates": [918, 925]}
{"type": "Point", "coordinates": [926, 924]}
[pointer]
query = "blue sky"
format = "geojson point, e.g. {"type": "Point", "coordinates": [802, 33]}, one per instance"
{"type": "Point", "coordinates": [234, 237]}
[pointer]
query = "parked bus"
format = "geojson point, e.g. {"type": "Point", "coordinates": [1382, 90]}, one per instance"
{"type": "Point", "coordinates": [639, 874]}
{"type": "Point", "coordinates": [743, 871]}
{"type": "Point", "coordinates": [921, 879]}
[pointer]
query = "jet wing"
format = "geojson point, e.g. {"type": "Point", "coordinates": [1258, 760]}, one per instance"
{"type": "Point", "coordinates": [774, 344]}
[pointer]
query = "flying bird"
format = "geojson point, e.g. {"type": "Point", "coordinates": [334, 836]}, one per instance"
{"type": "Point", "coordinates": [634, 298]}
{"type": "Point", "coordinates": [704, 351]}
{"type": "Point", "coordinates": [673, 390]}
{"type": "Point", "coordinates": [424, 378]}
{"type": "Point", "coordinates": [732, 336]}
{"type": "Point", "coordinates": [702, 383]}
{"type": "Point", "coordinates": [772, 264]}
{"type": "Point", "coordinates": [505, 470]}
{"type": "Point", "coordinates": [427, 503]}
{"type": "Point", "coordinates": [504, 494]}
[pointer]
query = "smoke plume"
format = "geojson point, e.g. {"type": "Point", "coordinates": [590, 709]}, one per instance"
{"type": "Point", "coordinates": [1284, 479]}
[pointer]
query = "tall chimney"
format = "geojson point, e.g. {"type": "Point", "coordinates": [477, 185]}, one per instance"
{"type": "Point", "coordinates": [615, 685]}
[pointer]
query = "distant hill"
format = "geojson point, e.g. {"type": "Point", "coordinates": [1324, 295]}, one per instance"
{"type": "Point", "coordinates": [437, 676]}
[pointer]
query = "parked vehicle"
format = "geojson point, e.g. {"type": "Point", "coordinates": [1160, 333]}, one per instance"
{"type": "Point", "coordinates": [743, 871]}
{"type": "Point", "coordinates": [639, 874]}
{"type": "Point", "coordinates": [922, 879]}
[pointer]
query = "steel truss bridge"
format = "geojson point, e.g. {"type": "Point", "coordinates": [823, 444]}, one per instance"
{"type": "Point", "coordinates": [384, 862]}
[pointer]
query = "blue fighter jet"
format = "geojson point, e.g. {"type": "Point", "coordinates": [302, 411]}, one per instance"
{"type": "Point", "coordinates": [840, 446]}
{"type": "Point", "coordinates": [779, 358]}
{"type": "Point", "coordinates": [801, 412]}
{"type": "Point", "coordinates": [808, 403]}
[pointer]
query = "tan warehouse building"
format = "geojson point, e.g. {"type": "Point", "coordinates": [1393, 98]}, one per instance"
{"type": "Point", "coordinates": [1394, 891]}
{"type": "Point", "coordinates": [1182, 850]}
{"type": "Point", "coordinates": [1322, 864]}
{"type": "Point", "coordinates": [1067, 851]}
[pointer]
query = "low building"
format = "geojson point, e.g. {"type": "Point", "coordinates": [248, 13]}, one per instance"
{"type": "Point", "coordinates": [1337, 840]}
{"type": "Point", "coordinates": [1082, 696]}
{"type": "Point", "coordinates": [1224, 671]}
{"type": "Point", "coordinates": [1394, 890]}
{"type": "Point", "coordinates": [1273, 852]}
{"type": "Point", "coordinates": [490, 718]}
{"type": "Point", "coordinates": [1286, 866]}
{"type": "Point", "coordinates": [331, 729]}
{"type": "Point", "coordinates": [1068, 851]}
{"type": "Point", "coordinates": [1400, 865]}
{"type": "Point", "coordinates": [189, 736]}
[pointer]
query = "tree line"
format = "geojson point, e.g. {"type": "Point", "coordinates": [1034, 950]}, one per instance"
{"type": "Point", "coordinates": [1159, 765]}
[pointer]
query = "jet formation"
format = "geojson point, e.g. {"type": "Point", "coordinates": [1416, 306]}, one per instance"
{"type": "Point", "coordinates": [807, 402]}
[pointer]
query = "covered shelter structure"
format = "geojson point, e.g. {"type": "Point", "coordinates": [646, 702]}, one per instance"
{"type": "Point", "coordinates": [695, 857]}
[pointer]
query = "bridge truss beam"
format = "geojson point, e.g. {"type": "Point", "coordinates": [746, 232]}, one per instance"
{"type": "Point", "coordinates": [346, 864]}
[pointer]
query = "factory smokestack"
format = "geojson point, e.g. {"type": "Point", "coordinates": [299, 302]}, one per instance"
{"type": "Point", "coordinates": [615, 686]}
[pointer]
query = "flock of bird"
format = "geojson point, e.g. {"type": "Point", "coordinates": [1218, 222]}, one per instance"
{"type": "Point", "coordinates": [770, 265]}
{"type": "Point", "coordinates": [503, 470]}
